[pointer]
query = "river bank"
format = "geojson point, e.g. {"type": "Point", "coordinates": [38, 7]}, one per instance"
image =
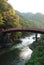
{"type": "Point", "coordinates": [18, 54]}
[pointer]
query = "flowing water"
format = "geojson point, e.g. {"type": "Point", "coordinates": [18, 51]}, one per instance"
{"type": "Point", "coordinates": [22, 52]}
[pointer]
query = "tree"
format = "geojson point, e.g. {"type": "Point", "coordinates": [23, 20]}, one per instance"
{"type": "Point", "coordinates": [8, 18]}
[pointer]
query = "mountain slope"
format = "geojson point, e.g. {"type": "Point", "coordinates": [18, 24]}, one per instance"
{"type": "Point", "coordinates": [24, 21]}
{"type": "Point", "coordinates": [31, 20]}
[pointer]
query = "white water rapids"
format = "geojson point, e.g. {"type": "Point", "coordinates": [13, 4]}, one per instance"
{"type": "Point", "coordinates": [25, 52]}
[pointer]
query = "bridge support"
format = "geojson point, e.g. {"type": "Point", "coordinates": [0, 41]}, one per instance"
{"type": "Point", "coordinates": [36, 37]}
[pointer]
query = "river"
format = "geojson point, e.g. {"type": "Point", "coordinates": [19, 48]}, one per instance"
{"type": "Point", "coordinates": [22, 52]}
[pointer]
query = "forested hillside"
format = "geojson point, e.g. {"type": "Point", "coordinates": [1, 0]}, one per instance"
{"type": "Point", "coordinates": [8, 16]}
{"type": "Point", "coordinates": [8, 19]}
{"type": "Point", "coordinates": [24, 21]}
{"type": "Point", "coordinates": [37, 57]}
{"type": "Point", "coordinates": [32, 20]}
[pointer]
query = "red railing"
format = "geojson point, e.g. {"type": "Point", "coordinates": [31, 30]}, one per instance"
{"type": "Point", "coordinates": [36, 30]}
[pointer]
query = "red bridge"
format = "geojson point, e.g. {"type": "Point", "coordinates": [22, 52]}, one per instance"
{"type": "Point", "coordinates": [34, 30]}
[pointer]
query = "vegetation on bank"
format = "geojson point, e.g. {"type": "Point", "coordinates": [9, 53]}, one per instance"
{"type": "Point", "coordinates": [9, 57]}
{"type": "Point", "coordinates": [37, 57]}
{"type": "Point", "coordinates": [8, 19]}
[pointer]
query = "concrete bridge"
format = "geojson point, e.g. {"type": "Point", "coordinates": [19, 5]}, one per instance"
{"type": "Point", "coordinates": [33, 30]}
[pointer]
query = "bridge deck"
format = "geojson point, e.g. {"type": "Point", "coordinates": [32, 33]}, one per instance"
{"type": "Point", "coordinates": [35, 30]}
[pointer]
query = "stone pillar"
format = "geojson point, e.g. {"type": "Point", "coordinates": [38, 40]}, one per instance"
{"type": "Point", "coordinates": [36, 37]}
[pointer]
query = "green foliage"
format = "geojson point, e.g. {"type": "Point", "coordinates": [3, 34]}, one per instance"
{"type": "Point", "coordinates": [15, 35]}
{"type": "Point", "coordinates": [8, 57]}
{"type": "Point", "coordinates": [8, 14]}
{"type": "Point", "coordinates": [1, 21]}
{"type": "Point", "coordinates": [37, 57]}
{"type": "Point", "coordinates": [31, 20]}
{"type": "Point", "coordinates": [8, 19]}
{"type": "Point", "coordinates": [42, 36]}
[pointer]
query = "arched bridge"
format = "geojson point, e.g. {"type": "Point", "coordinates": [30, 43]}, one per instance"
{"type": "Point", "coordinates": [34, 30]}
